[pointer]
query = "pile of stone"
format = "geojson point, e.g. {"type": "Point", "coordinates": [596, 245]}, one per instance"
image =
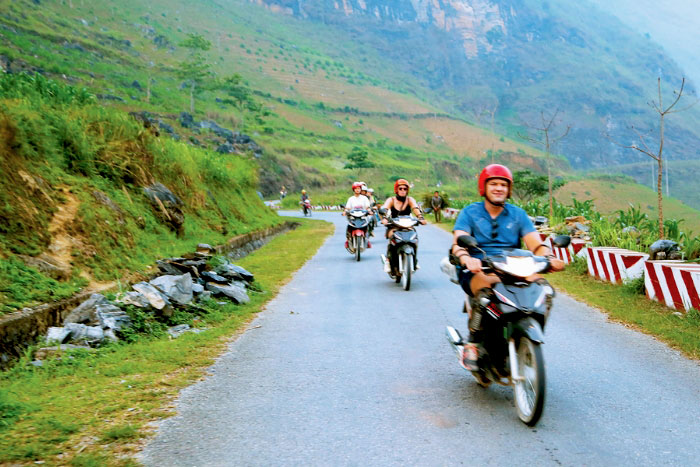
{"type": "Point", "coordinates": [183, 282]}
{"type": "Point", "coordinates": [575, 226]}
{"type": "Point", "coordinates": [578, 227]}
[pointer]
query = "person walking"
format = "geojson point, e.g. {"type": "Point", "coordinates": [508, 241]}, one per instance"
{"type": "Point", "coordinates": [436, 203]}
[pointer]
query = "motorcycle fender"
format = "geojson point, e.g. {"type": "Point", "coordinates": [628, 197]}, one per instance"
{"type": "Point", "coordinates": [407, 249]}
{"type": "Point", "coordinates": [358, 233]}
{"type": "Point", "coordinates": [530, 328]}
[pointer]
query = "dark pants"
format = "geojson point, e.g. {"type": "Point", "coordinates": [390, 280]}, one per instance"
{"type": "Point", "coordinates": [438, 215]}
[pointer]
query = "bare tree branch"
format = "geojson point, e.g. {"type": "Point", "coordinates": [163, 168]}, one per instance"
{"type": "Point", "coordinates": [547, 142]}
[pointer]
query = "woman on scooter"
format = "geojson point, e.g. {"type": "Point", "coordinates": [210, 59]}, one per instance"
{"type": "Point", "coordinates": [356, 201]}
{"type": "Point", "coordinates": [400, 205]}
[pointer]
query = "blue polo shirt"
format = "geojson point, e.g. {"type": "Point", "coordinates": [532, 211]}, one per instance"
{"type": "Point", "coordinates": [511, 225]}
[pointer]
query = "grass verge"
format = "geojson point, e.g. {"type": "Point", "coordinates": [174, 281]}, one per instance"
{"type": "Point", "coordinates": [94, 408]}
{"type": "Point", "coordinates": [627, 305]}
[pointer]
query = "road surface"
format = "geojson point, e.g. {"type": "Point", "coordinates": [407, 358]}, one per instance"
{"type": "Point", "coordinates": [344, 367]}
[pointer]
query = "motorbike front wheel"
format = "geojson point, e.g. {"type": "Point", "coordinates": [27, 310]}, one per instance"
{"type": "Point", "coordinates": [529, 391]}
{"type": "Point", "coordinates": [357, 241]}
{"type": "Point", "coordinates": [407, 270]}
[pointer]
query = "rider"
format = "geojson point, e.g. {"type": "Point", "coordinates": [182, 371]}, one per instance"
{"type": "Point", "coordinates": [495, 225]}
{"type": "Point", "coordinates": [356, 201]}
{"type": "Point", "coordinates": [304, 199]}
{"type": "Point", "coordinates": [365, 192]}
{"type": "Point", "coordinates": [399, 205]}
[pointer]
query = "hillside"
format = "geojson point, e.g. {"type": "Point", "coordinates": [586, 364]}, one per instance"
{"type": "Point", "coordinates": [612, 193]}
{"type": "Point", "coordinates": [89, 196]}
{"type": "Point", "coordinates": [319, 86]}
{"type": "Point", "coordinates": [521, 57]}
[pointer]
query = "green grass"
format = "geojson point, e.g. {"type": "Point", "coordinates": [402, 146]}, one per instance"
{"type": "Point", "coordinates": [119, 389]}
{"type": "Point", "coordinates": [58, 146]}
{"type": "Point", "coordinates": [629, 305]}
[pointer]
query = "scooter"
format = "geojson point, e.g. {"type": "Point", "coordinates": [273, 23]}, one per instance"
{"type": "Point", "coordinates": [358, 226]}
{"type": "Point", "coordinates": [511, 320]}
{"type": "Point", "coordinates": [402, 249]}
{"type": "Point", "coordinates": [306, 207]}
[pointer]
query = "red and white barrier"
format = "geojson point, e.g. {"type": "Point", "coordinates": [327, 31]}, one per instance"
{"type": "Point", "coordinates": [615, 265]}
{"type": "Point", "coordinates": [675, 283]}
{"type": "Point", "coordinates": [450, 213]}
{"type": "Point", "coordinates": [546, 239]}
{"type": "Point", "coordinates": [575, 248]}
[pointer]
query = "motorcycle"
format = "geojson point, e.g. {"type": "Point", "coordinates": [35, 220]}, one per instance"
{"type": "Point", "coordinates": [403, 246]}
{"type": "Point", "coordinates": [306, 207]}
{"type": "Point", "coordinates": [358, 226]}
{"type": "Point", "coordinates": [511, 319]}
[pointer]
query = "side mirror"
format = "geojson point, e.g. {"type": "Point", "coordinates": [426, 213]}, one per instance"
{"type": "Point", "coordinates": [561, 241]}
{"type": "Point", "coordinates": [467, 241]}
{"type": "Point", "coordinates": [382, 211]}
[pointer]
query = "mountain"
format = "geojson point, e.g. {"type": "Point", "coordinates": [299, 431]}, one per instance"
{"type": "Point", "coordinates": [523, 57]}
{"type": "Point", "coordinates": [432, 90]}
{"type": "Point", "coordinates": [674, 25]}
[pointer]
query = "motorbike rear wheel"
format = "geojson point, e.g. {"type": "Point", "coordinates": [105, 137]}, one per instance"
{"type": "Point", "coordinates": [530, 391]}
{"type": "Point", "coordinates": [407, 270]}
{"type": "Point", "coordinates": [357, 242]}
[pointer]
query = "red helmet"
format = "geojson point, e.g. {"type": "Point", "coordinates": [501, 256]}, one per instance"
{"type": "Point", "coordinates": [356, 185]}
{"type": "Point", "coordinates": [494, 171]}
{"type": "Point", "coordinates": [399, 182]}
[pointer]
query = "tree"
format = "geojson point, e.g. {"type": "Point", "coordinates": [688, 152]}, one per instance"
{"type": "Point", "coordinates": [358, 159]}
{"type": "Point", "coordinates": [658, 155]}
{"type": "Point", "coordinates": [239, 95]}
{"type": "Point", "coordinates": [547, 141]}
{"type": "Point", "coordinates": [195, 70]}
{"type": "Point", "coordinates": [528, 185]}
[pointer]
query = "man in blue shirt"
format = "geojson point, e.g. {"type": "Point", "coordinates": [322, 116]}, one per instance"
{"type": "Point", "coordinates": [495, 225]}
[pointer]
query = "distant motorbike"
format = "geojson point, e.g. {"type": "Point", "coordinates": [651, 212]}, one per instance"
{"type": "Point", "coordinates": [403, 246]}
{"type": "Point", "coordinates": [358, 227]}
{"type": "Point", "coordinates": [306, 207]}
{"type": "Point", "coordinates": [511, 320]}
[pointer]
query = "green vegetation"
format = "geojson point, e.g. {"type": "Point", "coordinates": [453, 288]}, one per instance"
{"type": "Point", "coordinates": [61, 149]}
{"type": "Point", "coordinates": [628, 304]}
{"type": "Point", "coordinates": [118, 389]}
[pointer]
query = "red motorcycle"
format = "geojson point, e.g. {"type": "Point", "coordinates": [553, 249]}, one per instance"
{"type": "Point", "coordinates": [358, 227]}
{"type": "Point", "coordinates": [306, 207]}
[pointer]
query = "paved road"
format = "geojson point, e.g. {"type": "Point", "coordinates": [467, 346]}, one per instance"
{"type": "Point", "coordinates": [346, 368]}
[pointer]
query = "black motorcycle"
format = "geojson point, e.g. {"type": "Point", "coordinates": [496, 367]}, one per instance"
{"type": "Point", "coordinates": [511, 319]}
{"type": "Point", "coordinates": [401, 252]}
{"type": "Point", "coordinates": [358, 228]}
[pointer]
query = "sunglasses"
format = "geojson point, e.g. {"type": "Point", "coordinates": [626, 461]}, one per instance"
{"type": "Point", "coordinates": [494, 229]}
{"type": "Point", "coordinates": [402, 188]}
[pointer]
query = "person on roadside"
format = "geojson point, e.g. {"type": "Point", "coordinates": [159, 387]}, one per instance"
{"type": "Point", "coordinates": [400, 205]}
{"type": "Point", "coordinates": [436, 203]}
{"type": "Point", "coordinates": [496, 225]}
{"type": "Point", "coordinates": [356, 201]}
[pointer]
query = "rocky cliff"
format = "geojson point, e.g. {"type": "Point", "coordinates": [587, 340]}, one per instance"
{"type": "Point", "coordinates": [473, 21]}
